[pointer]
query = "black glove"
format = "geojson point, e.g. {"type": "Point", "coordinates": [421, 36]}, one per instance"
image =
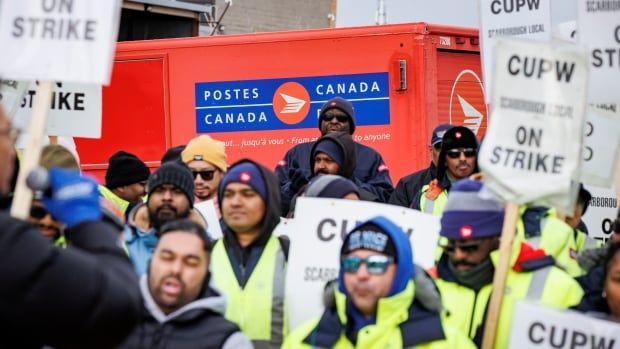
{"type": "Point", "coordinates": [298, 179]}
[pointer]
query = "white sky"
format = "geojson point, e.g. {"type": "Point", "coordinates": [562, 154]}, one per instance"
{"type": "Point", "coordinates": [455, 12]}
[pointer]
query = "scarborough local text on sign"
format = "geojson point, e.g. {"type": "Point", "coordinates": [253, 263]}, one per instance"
{"type": "Point", "coordinates": [291, 103]}
{"type": "Point", "coordinates": [533, 145]}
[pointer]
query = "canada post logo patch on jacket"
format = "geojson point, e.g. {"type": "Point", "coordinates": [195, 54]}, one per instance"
{"type": "Point", "coordinates": [288, 103]}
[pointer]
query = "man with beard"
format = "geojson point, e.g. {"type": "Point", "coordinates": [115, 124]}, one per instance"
{"type": "Point", "coordinates": [472, 227]}
{"type": "Point", "coordinates": [371, 173]}
{"type": "Point", "coordinates": [177, 296]}
{"type": "Point", "coordinates": [206, 158]}
{"type": "Point", "coordinates": [457, 160]}
{"type": "Point", "coordinates": [170, 196]}
{"type": "Point", "coordinates": [249, 262]}
{"type": "Point", "coordinates": [377, 304]}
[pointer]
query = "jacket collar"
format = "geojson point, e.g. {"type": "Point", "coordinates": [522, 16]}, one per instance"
{"type": "Point", "coordinates": [418, 325]}
{"type": "Point", "coordinates": [214, 302]}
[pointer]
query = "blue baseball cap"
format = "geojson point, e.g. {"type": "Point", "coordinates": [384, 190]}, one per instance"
{"type": "Point", "coordinates": [438, 133]}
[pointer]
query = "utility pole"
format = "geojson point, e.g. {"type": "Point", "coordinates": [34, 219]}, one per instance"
{"type": "Point", "coordinates": [381, 12]}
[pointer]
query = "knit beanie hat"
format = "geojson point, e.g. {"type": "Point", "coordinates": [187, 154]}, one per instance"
{"type": "Point", "coordinates": [468, 216]}
{"type": "Point", "coordinates": [246, 173]}
{"type": "Point", "coordinates": [125, 168]}
{"type": "Point", "coordinates": [342, 104]}
{"type": "Point", "coordinates": [176, 174]}
{"type": "Point", "coordinates": [454, 138]}
{"type": "Point", "coordinates": [55, 155]}
{"type": "Point", "coordinates": [330, 186]}
{"type": "Point", "coordinates": [331, 148]}
{"type": "Point", "coordinates": [206, 149]}
{"type": "Point", "coordinates": [369, 236]}
{"type": "Point", "coordinates": [173, 154]}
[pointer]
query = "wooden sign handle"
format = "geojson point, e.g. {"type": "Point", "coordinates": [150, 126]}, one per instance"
{"type": "Point", "coordinates": [501, 272]}
{"type": "Point", "coordinates": [22, 198]}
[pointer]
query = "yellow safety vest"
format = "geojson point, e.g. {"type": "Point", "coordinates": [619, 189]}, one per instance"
{"type": "Point", "coordinates": [556, 239]}
{"type": "Point", "coordinates": [434, 207]}
{"type": "Point", "coordinates": [385, 333]}
{"type": "Point", "coordinates": [466, 311]}
{"type": "Point", "coordinates": [258, 308]}
{"type": "Point", "coordinates": [108, 194]}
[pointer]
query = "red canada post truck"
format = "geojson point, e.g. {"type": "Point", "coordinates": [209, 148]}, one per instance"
{"type": "Point", "coordinates": [261, 93]}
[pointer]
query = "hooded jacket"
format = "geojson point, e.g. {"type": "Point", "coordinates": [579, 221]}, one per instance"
{"type": "Point", "coordinates": [199, 324]}
{"type": "Point", "coordinates": [533, 276]}
{"type": "Point", "coordinates": [400, 320]}
{"type": "Point", "coordinates": [370, 171]}
{"type": "Point", "coordinates": [243, 260]}
{"type": "Point", "coordinates": [349, 163]}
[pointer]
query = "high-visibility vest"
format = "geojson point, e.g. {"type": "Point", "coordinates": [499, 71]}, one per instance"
{"type": "Point", "coordinates": [556, 238]}
{"type": "Point", "coordinates": [115, 199]}
{"type": "Point", "coordinates": [258, 308]}
{"type": "Point", "coordinates": [465, 308]}
{"type": "Point", "coordinates": [436, 206]}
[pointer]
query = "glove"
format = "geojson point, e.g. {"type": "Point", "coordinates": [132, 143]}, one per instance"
{"type": "Point", "coordinates": [72, 198]}
{"type": "Point", "coordinates": [298, 179]}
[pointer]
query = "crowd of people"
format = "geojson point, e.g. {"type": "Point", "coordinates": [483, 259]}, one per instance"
{"type": "Point", "coordinates": [131, 263]}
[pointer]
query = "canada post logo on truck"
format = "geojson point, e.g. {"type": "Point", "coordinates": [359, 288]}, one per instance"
{"type": "Point", "coordinates": [290, 103]}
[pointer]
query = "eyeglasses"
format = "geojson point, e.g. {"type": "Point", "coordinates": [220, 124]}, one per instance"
{"type": "Point", "coordinates": [205, 175]}
{"type": "Point", "coordinates": [38, 212]}
{"type": "Point", "coordinates": [456, 153]}
{"type": "Point", "coordinates": [12, 133]}
{"type": "Point", "coordinates": [375, 265]}
{"type": "Point", "coordinates": [467, 248]}
{"type": "Point", "coordinates": [330, 117]}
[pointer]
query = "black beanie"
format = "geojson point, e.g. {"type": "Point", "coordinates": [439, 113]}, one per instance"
{"type": "Point", "coordinates": [342, 104]}
{"type": "Point", "coordinates": [369, 236]}
{"type": "Point", "coordinates": [124, 169]}
{"type": "Point", "coordinates": [176, 174]}
{"type": "Point", "coordinates": [173, 154]}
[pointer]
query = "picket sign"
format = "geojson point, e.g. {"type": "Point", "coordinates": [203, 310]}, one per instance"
{"type": "Point", "coordinates": [11, 93]}
{"type": "Point", "coordinates": [75, 110]}
{"type": "Point", "coordinates": [525, 19]}
{"type": "Point", "coordinates": [537, 326]}
{"type": "Point", "coordinates": [601, 212]}
{"type": "Point", "coordinates": [316, 238]}
{"type": "Point", "coordinates": [532, 148]}
{"type": "Point", "coordinates": [22, 197]}
{"type": "Point", "coordinates": [602, 140]}
{"type": "Point", "coordinates": [598, 29]}
{"type": "Point", "coordinates": [209, 213]}
{"type": "Point", "coordinates": [69, 40]}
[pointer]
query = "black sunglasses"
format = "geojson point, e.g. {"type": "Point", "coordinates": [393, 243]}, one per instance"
{"type": "Point", "coordinates": [456, 153]}
{"type": "Point", "coordinates": [330, 117]}
{"type": "Point", "coordinates": [205, 175]}
{"type": "Point", "coordinates": [468, 248]}
{"type": "Point", "coordinates": [38, 212]}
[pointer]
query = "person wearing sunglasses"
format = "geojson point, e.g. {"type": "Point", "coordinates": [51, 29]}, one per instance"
{"type": "Point", "coordinates": [48, 227]}
{"type": "Point", "coordinates": [472, 227]}
{"type": "Point", "coordinates": [125, 181]}
{"type": "Point", "coordinates": [85, 296]}
{"type": "Point", "coordinates": [375, 301]}
{"type": "Point", "coordinates": [457, 160]}
{"type": "Point", "coordinates": [336, 115]}
{"type": "Point", "coordinates": [206, 157]}
{"type": "Point", "coordinates": [409, 186]}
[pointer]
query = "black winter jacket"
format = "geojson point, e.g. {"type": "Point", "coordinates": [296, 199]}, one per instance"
{"type": "Point", "coordinates": [370, 171]}
{"type": "Point", "coordinates": [84, 296]}
{"type": "Point", "coordinates": [409, 186]}
{"type": "Point", "coordinates": [197, 325]}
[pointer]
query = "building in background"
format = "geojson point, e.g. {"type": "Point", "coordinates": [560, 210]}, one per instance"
{"type": "Point", "coordinates": [251, 16]}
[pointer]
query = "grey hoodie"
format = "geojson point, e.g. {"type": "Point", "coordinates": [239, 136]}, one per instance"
{"type": "Point", "coordinates": [199, 324]}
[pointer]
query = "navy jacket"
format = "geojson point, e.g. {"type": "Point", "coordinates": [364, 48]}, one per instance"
{"type": "Point", "coordinates": [371, 173]}
{"type": "Point", "coordinates": [409, 186]}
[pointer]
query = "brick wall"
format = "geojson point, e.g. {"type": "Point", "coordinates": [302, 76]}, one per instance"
{"type": "Point", "coordinates": [250, 16]}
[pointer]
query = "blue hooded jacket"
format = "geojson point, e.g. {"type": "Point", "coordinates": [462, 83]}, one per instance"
{"type": "Point", "coordinates": [404, 265]}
